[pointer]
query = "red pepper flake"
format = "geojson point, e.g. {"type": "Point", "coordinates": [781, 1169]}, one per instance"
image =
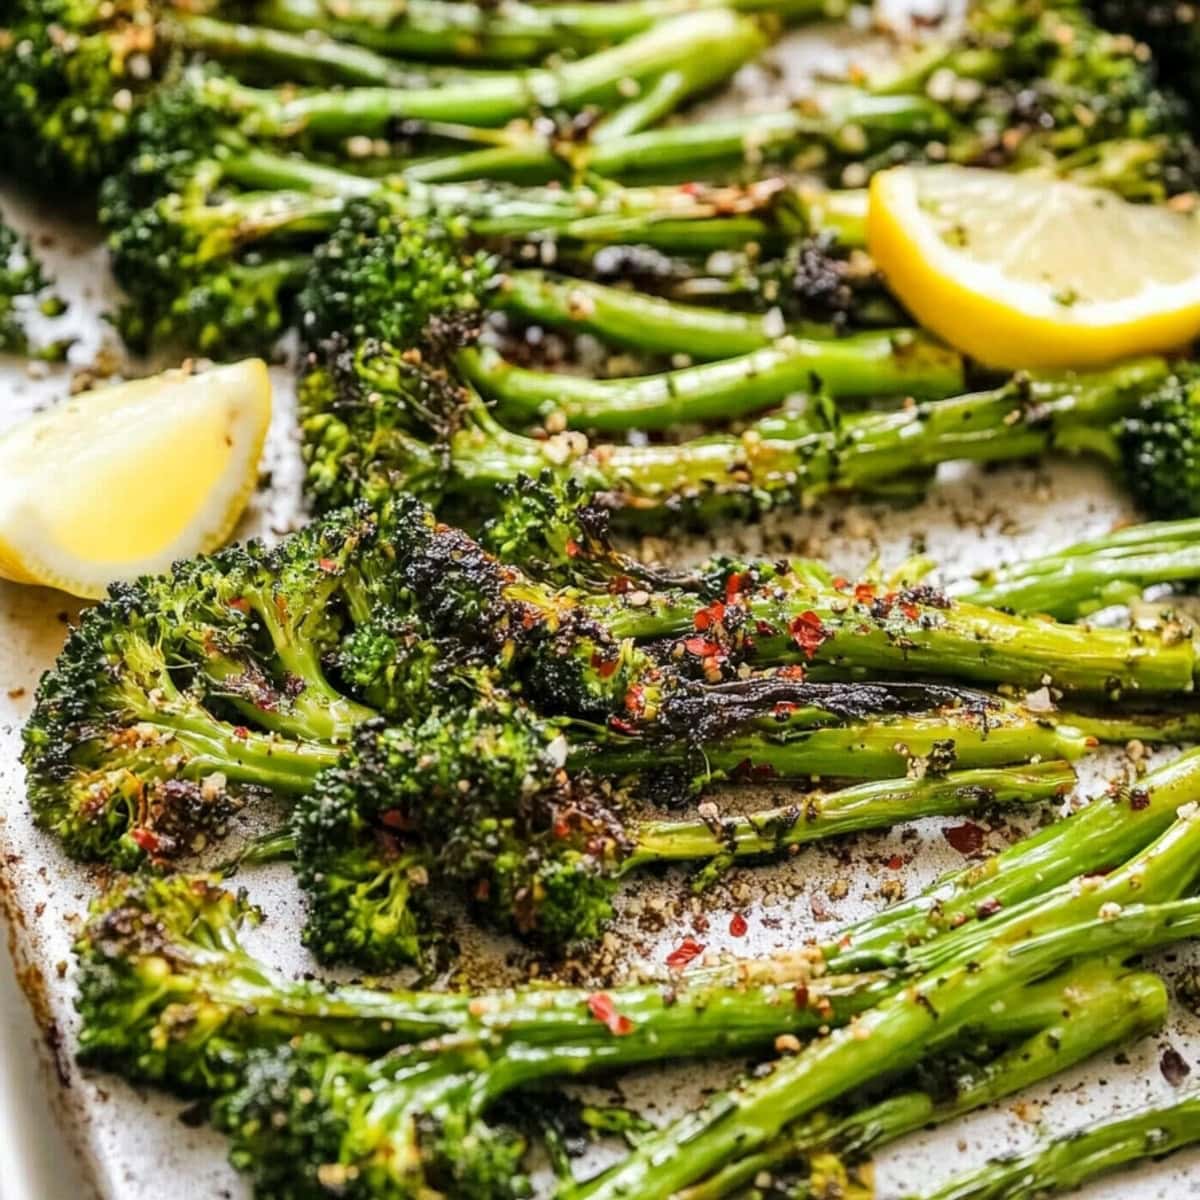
{"type": "Point", "coordinates": [620, 584]}
{"type": "Point", "coordinates": [783, 709]}
{"type": "Point", "coordinates": [562, 827]}
{"type": "Point", "coordinates": [714, 614]}
{"type": "Point", "coordinates": [395, 819]}
{"type": "Point", "coordinates": [910, 610]}
{"type": "Point", "coordinates": [622, 726]}
{"type": "Point", "coordinates": [635, 700]}
{"type": "Point", "coordinates": [572, 548]}
{"type": "Point", "coordinates": [327, 564]}
{"type": "Point", "coordinates": [792, 671]}
{"type": "Point", "coordinates": [146, 840]}
{"type": "Point", "coordinates": [601, 1006]}
{"type": "Point", "coordinates": [841, 583]}
{"type": "Point", "coordinates": [895, 863]}
{"type": "Point", "coordinates": [701, 647]}
{"type": "Point", "coordinates": [240, 603]}
{"type": "Point", "coordinates": [690, 189]}
{"type": "Point", "coordinates": [808, 633]}
{"type": "Point", "coordinates": [734, 585]}
{"type": "Point", "coordinates": [800, 995]}
{"type": "Point", "coordinates": [240, 731]}
{"type": "Point", "coordinates": [966, 838]}
{"type": "Point", "coordinates": [1139, 800]}
{"type": "Point", "coordinates": [986, 908]}
{"type": "Point", "coordinates": [483, 889]}
{"type": "Point", "coordinates": [738, 926]}
{"type": "Point", "coordinates": [764, 628]}
{"type": "Point", "coordinates": [605, 667]}
{"type": "Point", "coordinates": [683, 954]}
{"type": "Point", "coordinates": [864, 593]}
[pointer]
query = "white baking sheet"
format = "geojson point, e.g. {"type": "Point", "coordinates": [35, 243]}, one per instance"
{"type": "Point", "coordinates": [131, 1145]}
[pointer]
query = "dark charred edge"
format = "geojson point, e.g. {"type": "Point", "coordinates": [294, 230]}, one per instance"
{"type": "Point", "coordinates": [698, 713]}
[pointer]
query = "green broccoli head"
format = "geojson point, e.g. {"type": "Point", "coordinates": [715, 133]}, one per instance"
{"type": "Point", "coordinates": [551, 528]}
{"type": "Point", "coordinates": [182, 241]}
{"type": "Point", "coordinates": [157, 959]}
{"type": "Point", "coordinates": [554, 887]}
{"type": "Point", "coordinates": [1160, 446]}
{"type": "Point", "coordinates": [117, 750]}
{"type": "Point", "coordinates": [371, 418]}
{"type": "Point", "coordinates": [21, 280]}
{"type": "Point", "coordinates": [404, 280]}
{"type": "Point", "coordinates": [474, 795]}
{"type": "Point", "coordinates": [184, 695]}
{"type": "Point", "coordinates": [365, 876]}
{"type": "Point", "coordinates": [72, 77]}
{"type": "Point", "coordinates": [307, 1123]}
{"type": "Point", "coordinates": [1043, 85]}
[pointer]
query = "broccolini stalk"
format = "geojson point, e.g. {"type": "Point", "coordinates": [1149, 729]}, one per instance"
{"type": "Point", "coordinates": [439, 29]}
{"type": "Point", "coordinates": [886, 363]}
{"type": "Point", "coordinates": [919, 629]}
{"type": "Point", "coordinates": [1113, 569]}
{"type": "Point", "coordinates": [894, 1035]}
{"type": "Point", "coordinates": [496, 99]}
{"type": "Point", "coordinates": [428, 1107]}
{"type": "Point", "coordinates": [818, 815]}
{"type": "Point", "coordinates": [1067, 1162]}
{"type": "Point", "coordinates": [1091, 1009]}
{"type": "Point", "coordinates": [550, 528]}
{"type": "Point", "coordinates": [180, 694]}
{"type": "Point", "coordinates": [1109, 831]}
{"type": "Point", "coordinates": [639, 320]}
{"type": "Point", "coordinates": [167, 993]}
{"type": "Point", "coordinates": [850, 122]}
{"type": "Point", "coordinates": [590, 654]}
{"type": "Point", "coordinates": [299, 57]}
{"type": "Point", "coordinates": [780, 458]}
{"type": "Point", "coordinates": [409, 283]}
{"type": "Point", "coordinates": [183, 238]}
{"type": "Point", "coordinates": [514, 812]}
{"type": "Point", "coordinates": [74, 76]}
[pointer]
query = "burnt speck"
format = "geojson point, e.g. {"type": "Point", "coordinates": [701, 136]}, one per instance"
{"type": "Point", "coordinates": [1173, 1066]}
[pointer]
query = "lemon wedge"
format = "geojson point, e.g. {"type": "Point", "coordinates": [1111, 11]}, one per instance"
{"type": "Point", "coordinates": [119, 482]}
{"type": "Point", "coordinates": [1026, 271]}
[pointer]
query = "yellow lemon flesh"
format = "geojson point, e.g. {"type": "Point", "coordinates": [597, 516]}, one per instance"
{"type": "Point", "coordinates": [1024, 271]}
{"type": "Point", "coordinates": [119, 482]}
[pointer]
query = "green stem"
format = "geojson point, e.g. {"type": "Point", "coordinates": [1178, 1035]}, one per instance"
{"type": "Point", "coordinates": [656, 102]}
{"type": "Point", "coordinates": [1083, 578]}
{"type": "Point", "coordinates": [517, 33]}
{"type": "Point", "coordinates": [818, 815]}
{"type": "Point", "coordinates": [1153, 729]}
{"type": "Point", "coordinates": [895, 1035]}
{"type": "Point", "coordinates": [878, 747]}
{"type": "Point", "coordinates": [252, 758]}
{"type": "Point", "coordinates": [888, 363]}
{"type": "Point", "coordinates": [850, 121]}
{"type": "Point", "coordinates": [309, 198]}
{"type": "Point", "coordinates": [494, 100]}
{"type": "Point", "coordinates": [305, 57]}
{"type": "Point", "coordinates": [1108, 832]}
{"type": "Point", "coordinates": [789, 457]}
{"type": "Point", "coordinates": [1068, 1162]}
{"type": "Point", "coordinates": [1090, 1010]}
{"type": "Point", "coordinates": [639, 320]}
